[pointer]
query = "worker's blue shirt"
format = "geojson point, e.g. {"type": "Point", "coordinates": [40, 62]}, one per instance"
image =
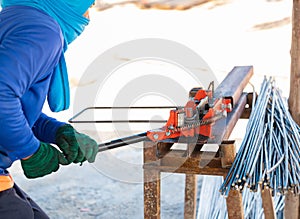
{"type": "Point", "coordinates": [69, 15]}
{"type": "Point", "coordinates": [31, 45]}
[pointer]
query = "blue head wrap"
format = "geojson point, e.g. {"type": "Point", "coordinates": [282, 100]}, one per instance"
{"type": "Point", "coordinates": [69, 15]}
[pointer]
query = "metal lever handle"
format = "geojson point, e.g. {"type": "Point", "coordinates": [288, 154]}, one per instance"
{"type": "Point", "coordinates": [122, 142]}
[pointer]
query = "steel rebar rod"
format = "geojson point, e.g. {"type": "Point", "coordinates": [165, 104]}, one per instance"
{"type": "Point", "coordinates": [269, 154]}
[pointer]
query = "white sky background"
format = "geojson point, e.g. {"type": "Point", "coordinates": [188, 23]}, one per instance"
{"type": "Point", "coordinates": [224, 36]}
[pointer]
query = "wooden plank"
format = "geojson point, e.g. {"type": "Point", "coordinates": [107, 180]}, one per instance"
{"type": "Point", "coordinates": [177, 161]}
{"type": "Point", "coordinates": [292, 202]}
{"type": "Point", "coordinates": [199, 159]}
{"type": "Point", "coordinates": [186, 170]}
{"type": "Point", "coordinates": [190, 200]}
{"type": "Point", "coordinates": [268, 204]}
{"type": "Point", "coordinates": [227, 152]}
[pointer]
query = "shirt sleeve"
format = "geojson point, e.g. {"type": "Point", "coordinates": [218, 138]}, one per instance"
{"type": "Point", "coordinates": [27, 51]}
{"type": "Point", "coordinates": [45, 128]}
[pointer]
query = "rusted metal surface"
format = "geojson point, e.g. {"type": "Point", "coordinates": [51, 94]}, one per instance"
{"type": "Point", "coordinates": [184, 170]}
{"type": "Point", "coordinates": [248, 108]}
{"type": "Point", "coordinates": [235, 205]}
{"type": "Point", "coordinates": [177, 162]}
{"type": "Point", "coordinates": [227, 153]}
{"type": "Point", "coordinates": [190, 200]}
{"type": "Point", "coordinates": [151, 194]}
{"type": "Point", "coordinates": [222, 129]}
{"type": "Point", "coordinates": [150, 152]}
{"type": "Point", "coordinates": [159, 157]}
{"type": "Point", "coordinates": [178, 158]}
{"type": "Point", "coordinates": [268, 204]}
{"type": "Point", "coordinates": [151, 183]}
{"type": "Point", "coordinates": [163, 148]}
{"type": "Point", "coordinates": [234, 116]}
{"type": "Point", "coordinates": [235, 82]}
{"type": "Point", "coordinates": [231, 88]}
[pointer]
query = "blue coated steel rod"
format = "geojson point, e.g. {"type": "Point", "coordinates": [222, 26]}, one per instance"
{"type": "Point", "coordinates": [270, 151]}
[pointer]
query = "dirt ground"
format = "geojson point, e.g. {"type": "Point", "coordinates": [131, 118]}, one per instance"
{"type": "Point", "coordinates": [224, 33]}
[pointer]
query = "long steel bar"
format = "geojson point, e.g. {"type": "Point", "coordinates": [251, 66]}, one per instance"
{"type": "Point", "coordinates": [73, 119]}
{"type": "Point", "coordinates": [233, 85]}
{"type": "Point", "coordinates": [122, 142]}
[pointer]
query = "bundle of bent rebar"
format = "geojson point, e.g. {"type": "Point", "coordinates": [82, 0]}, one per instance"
{"type": "Point", "coordinates": [269, 155]}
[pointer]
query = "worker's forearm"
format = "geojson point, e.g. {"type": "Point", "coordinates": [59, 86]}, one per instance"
{"type": "Point", "coordinates": [45, 128]}
{"type": "Point", "coordinates": [16, 138]}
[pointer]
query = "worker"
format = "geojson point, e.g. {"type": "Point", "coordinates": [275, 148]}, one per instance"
{"type": "Point", "coordinates": [34, 35]}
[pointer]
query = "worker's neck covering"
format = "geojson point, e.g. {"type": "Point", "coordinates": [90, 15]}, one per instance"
{"type": "Point", "coordinates": [69, 15]}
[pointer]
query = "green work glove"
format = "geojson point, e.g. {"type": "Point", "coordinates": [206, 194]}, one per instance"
{"type": "Point", "coordinates": [76, 146]}
{"type": "Point", "coordinates": [44, 161]}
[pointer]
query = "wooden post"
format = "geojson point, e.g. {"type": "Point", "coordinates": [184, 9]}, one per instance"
{"type": "Point", "coordinates": [294, 99]}
{"type": "Point", "coordinates": [268, 204]}
{"type": "Point", "coordinates": [291, 211]}
{"type": "Point", "coordinates": [234, 201]}
{"type": "Point", "coordinates": [235, 205]}
{"type": "Point", "coordinates": [190, 202]}
{"type": "Point", "coordinates": [151, 183]}
{"type": "Point", "coordinates": [227, 151]}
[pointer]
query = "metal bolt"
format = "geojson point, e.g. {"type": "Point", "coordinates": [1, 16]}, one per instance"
{"type": "Point", "coordinates": [171, 127]}
{"type": "Point", "coordinates": [155, 136]}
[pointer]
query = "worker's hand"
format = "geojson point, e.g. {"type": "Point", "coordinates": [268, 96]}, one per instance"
{"type": "Point", "coordinates": [76, 146]}
{"type": "Point", "coordinates": [44, 161]}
